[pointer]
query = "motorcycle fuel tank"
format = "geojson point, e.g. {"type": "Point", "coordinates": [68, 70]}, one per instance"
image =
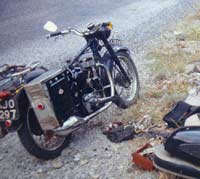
{"type": "Point", "coordinates": [50, 98]}
{"type": "Point", "coordinates": [184, 143]}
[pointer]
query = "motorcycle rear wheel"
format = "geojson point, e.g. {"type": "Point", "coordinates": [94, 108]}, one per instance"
{"type": "Point", "coordinates": [30, 135]}
{"type": "Point", "coordinates": [127, 94]}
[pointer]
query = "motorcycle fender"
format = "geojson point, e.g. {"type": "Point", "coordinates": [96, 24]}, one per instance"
{"type": "Point", "coordinates": [107, 60]}
{"type": "Point", "coordinates": [22, 99]}
{"type": "Point", "coordinates": [120, 48]}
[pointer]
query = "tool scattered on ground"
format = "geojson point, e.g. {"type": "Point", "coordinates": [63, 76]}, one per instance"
{"type": "Point", "coordinates": [118, 132]}
{"type": "Point", "coordinates": [143, 157]}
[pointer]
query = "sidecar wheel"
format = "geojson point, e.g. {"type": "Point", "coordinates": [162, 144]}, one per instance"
{"type": "Point", "coordinates": [127, 94]}
{"type": "Point", "coordinates": [32, 137]}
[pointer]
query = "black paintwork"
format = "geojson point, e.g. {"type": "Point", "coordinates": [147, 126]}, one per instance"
{"type": "Point", "coordinates": [184, 143]}
{"type": "Point", "coordinates": [97, 33]}
{"type": "Point", "coordinates": [61, 97]}
{"type": "Point", "coordinates": [178, 115]}
{"type": "Point", "coordinates": [68, 103]}
{"type": "Point", "coordinates": [183, 170]}
{"type": "Point", "coordinates": [20, 98]}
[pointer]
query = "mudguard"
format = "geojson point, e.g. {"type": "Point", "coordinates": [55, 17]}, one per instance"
{"type": "Point", "coordinates": [107, 60]}
{"type": "Point", "coordinates": [21, 97]}
{"type": "Point", "coordinates": [120, 48]}
{"type": "Point", "coordinates": [106, 57]}
{"type": "Point", "coordinates": [184, 143]}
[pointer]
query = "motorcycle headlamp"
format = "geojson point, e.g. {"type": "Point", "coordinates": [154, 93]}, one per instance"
{"type": "Point", "coordinates": [110, 26]}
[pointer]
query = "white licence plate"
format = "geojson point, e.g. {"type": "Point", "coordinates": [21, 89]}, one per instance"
{"type": "Point", "coordinates": [8, 109]}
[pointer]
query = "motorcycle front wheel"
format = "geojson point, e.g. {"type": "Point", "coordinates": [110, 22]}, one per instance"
{"type": "Point", "coordinates": [39, 143]}
{"type": "Point", "coordinates": [127, 93]}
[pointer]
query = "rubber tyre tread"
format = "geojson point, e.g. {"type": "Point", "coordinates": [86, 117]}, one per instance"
{"type": "Point", "coordinates": [31, 146]}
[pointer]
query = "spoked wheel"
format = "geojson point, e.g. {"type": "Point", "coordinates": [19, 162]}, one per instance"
{"type": "Point", "coordinates": [41, 144]}
{"type": "Point", "coordinates": [128, 93]}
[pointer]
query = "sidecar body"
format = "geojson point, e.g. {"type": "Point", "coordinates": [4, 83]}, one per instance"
{"type": "Point", "coordinates": [165, 162]}
{"type": "Point", "coordinates": [180, 155]}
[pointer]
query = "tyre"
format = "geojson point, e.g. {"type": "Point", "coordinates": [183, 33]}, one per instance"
{"type": "Point", "coordinates": [127, 93]}
{"type": "Point", "coordinates": [41, 144]}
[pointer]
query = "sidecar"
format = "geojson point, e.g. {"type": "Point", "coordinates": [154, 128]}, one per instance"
{"type": "Point", "coordinates": [180, 155]}
{"type": "Point", "coordinates": [12, 95]}
{"type": "Point", "coordinates": [173, 165]}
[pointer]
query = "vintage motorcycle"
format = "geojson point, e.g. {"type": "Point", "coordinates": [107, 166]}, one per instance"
{"type": "Point", "coordinates": [46, 106]}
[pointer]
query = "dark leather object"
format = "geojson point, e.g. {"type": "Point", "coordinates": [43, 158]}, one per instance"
{"type": "Point", "coordinates": [120, 133]}
{"type": "Point", "coordinates": [177, 116]}
{"type": "Point", "coordinates": [9, 84]}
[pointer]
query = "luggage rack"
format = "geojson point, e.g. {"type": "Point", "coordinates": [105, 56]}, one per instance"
{"type": "Point", "coordinates": [7, 70]}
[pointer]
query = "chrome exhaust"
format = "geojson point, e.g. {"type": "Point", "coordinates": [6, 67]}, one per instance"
{"type": "Point", "coordinates": [74, 122]}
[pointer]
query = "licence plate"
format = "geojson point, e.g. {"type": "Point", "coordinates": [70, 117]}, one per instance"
{"type": "Point", "coordinates": [8, 109]}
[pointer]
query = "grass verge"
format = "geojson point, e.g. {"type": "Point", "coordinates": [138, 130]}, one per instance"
{"type": "Point", "coordinates": [169, 83]}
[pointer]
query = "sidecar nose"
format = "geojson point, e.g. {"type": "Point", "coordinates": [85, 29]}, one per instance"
{"type": "Point", "coordinates": [184, 143]}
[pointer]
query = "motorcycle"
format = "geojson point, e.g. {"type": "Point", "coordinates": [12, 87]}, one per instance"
{"type": "Point", "coordinates": [46, 106]}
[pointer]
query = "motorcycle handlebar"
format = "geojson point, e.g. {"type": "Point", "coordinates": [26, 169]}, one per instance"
{"type": "Point", "coordinates": [79, 33]}
{"type": "Point", "coordinates": [54, 34]}
{"type": "Point", "coordinates": [67, 31]}
{"type": "Point", "coordinates": [75, 31]}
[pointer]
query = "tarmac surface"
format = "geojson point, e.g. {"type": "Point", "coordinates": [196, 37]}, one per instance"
{"type": "Point", "coordinates": [136, 22]}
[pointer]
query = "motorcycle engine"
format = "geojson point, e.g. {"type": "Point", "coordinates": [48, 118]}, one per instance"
{"type": "Point", "coordinates": [89, 101]}
{"type": "Point", "coordinates": [93, 88]}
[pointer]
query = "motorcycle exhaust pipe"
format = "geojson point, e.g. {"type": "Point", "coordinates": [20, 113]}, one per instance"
{"type": "Point", "coordinates": [74, 122]}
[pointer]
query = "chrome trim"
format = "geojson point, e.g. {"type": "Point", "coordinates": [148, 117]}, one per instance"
{"type": "Point", "coordinates": [72, 30]}
{"type": "Point", "coordinates": [37, 92]}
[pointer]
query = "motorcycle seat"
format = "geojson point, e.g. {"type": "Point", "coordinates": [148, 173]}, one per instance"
{"type": "Point", "coordinates": [9, 84]}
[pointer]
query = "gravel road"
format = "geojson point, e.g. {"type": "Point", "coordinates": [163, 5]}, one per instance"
{"type": "Point", "coordinates": [90, 154]}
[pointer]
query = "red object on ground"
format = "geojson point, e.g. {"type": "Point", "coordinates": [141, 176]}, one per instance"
{"type": "Point", "coordinates": [4, 94]}
{"type": "Point", "coordinates": [143, 161]}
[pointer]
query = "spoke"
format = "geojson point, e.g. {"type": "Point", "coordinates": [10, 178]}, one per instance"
{"type": "Point", "coordinates": [47, 140]}
{"type": "Point", "coordinates": [122, 91]}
